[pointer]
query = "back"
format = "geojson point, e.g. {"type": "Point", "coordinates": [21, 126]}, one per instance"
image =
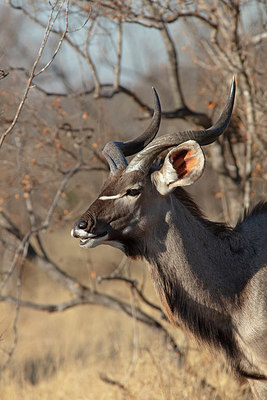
{"type": "Point", "coordinates": [254, 230]}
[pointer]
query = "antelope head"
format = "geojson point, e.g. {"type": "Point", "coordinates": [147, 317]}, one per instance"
{"type": "Point", "coordinates": [135, 194]}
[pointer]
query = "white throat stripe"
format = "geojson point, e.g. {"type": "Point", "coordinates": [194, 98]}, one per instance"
{"type": "Point", "coordinates": [115, 196]}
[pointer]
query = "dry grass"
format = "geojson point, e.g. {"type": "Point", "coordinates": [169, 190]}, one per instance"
{"type": "Point", "coordinates": [95, 353]}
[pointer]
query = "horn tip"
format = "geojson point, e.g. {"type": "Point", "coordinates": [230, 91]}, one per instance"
{"type": "Point", "coordinates": [233, 86]}
{"type": "Point", "coordinates": [157, 107]}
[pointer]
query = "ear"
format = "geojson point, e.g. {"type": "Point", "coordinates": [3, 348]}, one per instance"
{"type": "Point", "coordinates": [183, 165]}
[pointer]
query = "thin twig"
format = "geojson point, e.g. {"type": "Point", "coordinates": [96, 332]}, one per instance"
{"type": "Point", "coordinates": [133, 284]}
{"type": "Point", "coordinates": [60, 40]}
{"type": "Point", "coordinates": [33, 74]}
{"type": "Point", "coordinates": [119, 55]}
{"type": "Point", "coordinates": [62, 185]}
{"type": "Point", "coordinates": [89, 60]}
{"type": "Point", "coordinates": [45, 307]}
{"type": "Point", "coordinates": [135, 341]}
{"type": "Point", "coordinates": [18, 304]}
{"type": "Point", "coordinates": [18, 251]}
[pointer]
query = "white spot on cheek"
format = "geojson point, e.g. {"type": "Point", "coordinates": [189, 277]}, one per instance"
{"type": "Point", "coordinates": [127, 230]}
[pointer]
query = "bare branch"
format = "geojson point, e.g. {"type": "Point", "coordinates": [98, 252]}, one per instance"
{"type": "Point", "coordinates": [257, 39]}
{"type": "Point", "coordinates": [17, 309]}
{"type": "Point", "coordinates": [133, 284]}
{"type": "Point", "coordinates": [173, 68]}
{"type": "Point", "coordinates": [198, 118]}
{"type": "Point", "coordinates": [64, 182]}
{"type": "Point", "coordinates": [86, 296]}
{"type": "Point", "coordinates": [3, 74]}
{"type": "Point", "coordinates": [61, 38]}
{"type": "Point", "coordinates": [89, 60]}
{"type": "Point", "coordinates": [118, 63]}
{"type": "Point", "coordinates": [33, 74]}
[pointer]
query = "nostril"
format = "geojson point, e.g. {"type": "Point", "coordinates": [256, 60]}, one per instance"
{"type": "Point", "coordinates": [82, 224]}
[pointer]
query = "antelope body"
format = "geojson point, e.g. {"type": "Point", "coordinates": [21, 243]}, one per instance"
{"type": "Point", "coordinates": [210, 278]}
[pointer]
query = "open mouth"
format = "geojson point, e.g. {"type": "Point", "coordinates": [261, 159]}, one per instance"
{"type": "Point", "coordinates": [93, 240]}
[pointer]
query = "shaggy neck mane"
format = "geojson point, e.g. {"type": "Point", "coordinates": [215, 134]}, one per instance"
{"type": "Point", "coordinates": [260, 208]}
{"type": "Point", "coordinates": [216, 227]}
{"type": "Point", "coordinates": [188, 202]}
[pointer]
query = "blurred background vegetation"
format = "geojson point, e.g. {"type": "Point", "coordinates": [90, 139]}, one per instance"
{"type": "Point", "coordinates": [74, 74]}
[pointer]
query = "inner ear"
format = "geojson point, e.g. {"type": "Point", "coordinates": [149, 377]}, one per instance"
{"type": "Point", "coordinates": [184, 161]}
{"type": "Point", "coordinates": [183, 165]}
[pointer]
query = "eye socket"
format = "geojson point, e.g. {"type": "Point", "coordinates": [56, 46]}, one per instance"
{"type": "Point", "coordinates": [133, 192]}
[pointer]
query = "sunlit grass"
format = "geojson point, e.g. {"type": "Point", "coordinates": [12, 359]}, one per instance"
{"type": "Point", "coordinates": [66, 355]}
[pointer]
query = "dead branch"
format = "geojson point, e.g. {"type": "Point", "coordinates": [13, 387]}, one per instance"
{"type": "Point", "coordinates": [133, 284]}
{"type": "Point", "coordinates": [33, 73]}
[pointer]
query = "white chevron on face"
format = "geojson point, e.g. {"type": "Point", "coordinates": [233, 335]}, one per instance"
{"type": "Point", "coordinates": [113, 197]}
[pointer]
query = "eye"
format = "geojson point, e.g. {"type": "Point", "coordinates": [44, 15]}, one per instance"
{"type": "Point", "coordinates": [133, 192]}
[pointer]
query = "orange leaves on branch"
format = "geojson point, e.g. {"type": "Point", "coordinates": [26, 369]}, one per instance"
{"type": "Point", "coordinates": [257, 170]}
{"type": "Point", "coordinates": [4, 197]}
{"type": "Point", "coordinates": [56, 103]}
{"type": "Point", "coordinates": [58, 144]}
{"type": "Point", "coordinates": [27, 185]}
{"type": "Point", "coordinates": [93, 274]}
{"type": "Point", "coordinates": [11, 181]}
{"type": "Point", "coordinates": [85, 115]}
{"type": "Point", "coordinates": [255, 147]}
{"type": "Point", "coordinates": [211, 104]}
{"type": "Point", "coordinates": [46, 196]}
{"type": "Point", "coordinates": [5, 194]}
{"type": "Point", "coordinates": [24, 182]}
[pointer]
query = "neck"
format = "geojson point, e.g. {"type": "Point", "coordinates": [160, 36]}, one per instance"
{"type": "Point", "coordinates": [198, 270]}
{"type": "Point", "coordinates": [206, 259]}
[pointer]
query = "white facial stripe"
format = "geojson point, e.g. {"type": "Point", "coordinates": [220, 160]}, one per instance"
{"type": "Point", "coordinates": [115, 196]}
{"type": "Point", "coordinates": [119, 195]}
